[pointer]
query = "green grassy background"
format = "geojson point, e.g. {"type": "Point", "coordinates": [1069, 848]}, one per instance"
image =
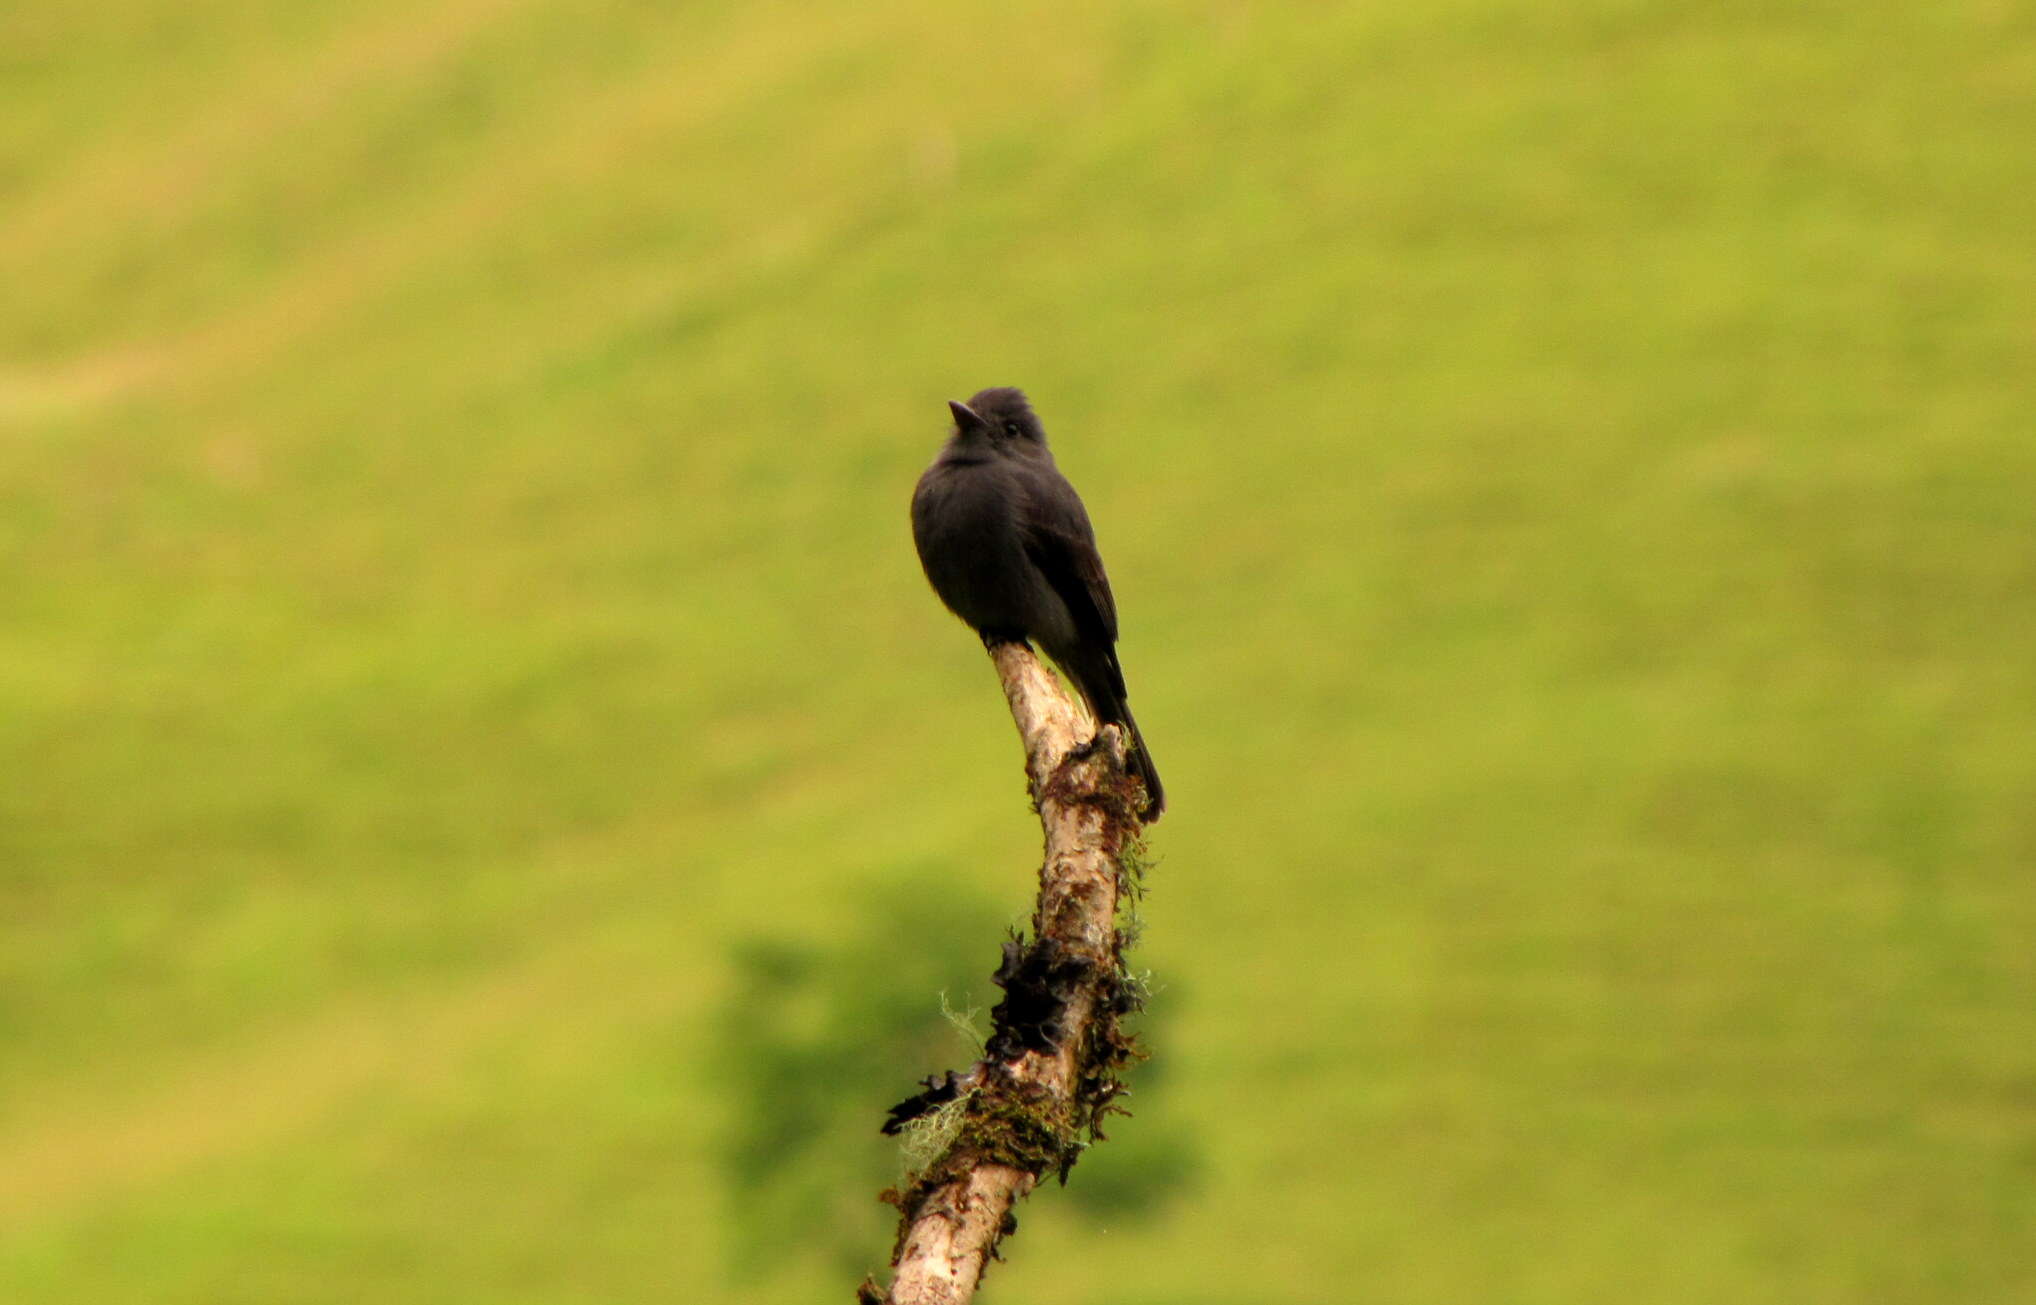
{"type": "Point", "coordinates": [477, 747]}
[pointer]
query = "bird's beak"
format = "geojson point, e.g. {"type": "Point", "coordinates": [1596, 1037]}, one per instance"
{"type": "Point", "coordinates": [965, 418]}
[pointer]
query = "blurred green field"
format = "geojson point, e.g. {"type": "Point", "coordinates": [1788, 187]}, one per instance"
{"type": "Point", "coordinates": [475, 734]}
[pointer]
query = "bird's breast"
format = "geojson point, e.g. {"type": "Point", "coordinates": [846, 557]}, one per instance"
{"type": "Point", "coordinates": [966, 521]}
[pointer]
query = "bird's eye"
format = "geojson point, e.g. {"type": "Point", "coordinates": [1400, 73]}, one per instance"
{"type": "Point", "coordinates": [1011, 429]}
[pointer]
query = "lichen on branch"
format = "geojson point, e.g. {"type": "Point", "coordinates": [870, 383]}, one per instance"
{"type": "Point", "coordinates": [1051, 1068]}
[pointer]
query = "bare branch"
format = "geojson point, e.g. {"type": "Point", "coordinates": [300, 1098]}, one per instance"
{"type": "Point", "coordinates": [1049, 1070]}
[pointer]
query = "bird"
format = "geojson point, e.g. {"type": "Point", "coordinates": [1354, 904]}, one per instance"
{"type": "Point", "coordinates": [1006, 544]}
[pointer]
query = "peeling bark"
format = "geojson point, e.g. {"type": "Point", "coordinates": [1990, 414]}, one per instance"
{"type": "Point", "coordinates": [1048, 1072]}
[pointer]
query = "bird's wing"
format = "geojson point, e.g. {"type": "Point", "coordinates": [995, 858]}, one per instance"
{"type": "Point", "coordinates": [1062, 545]}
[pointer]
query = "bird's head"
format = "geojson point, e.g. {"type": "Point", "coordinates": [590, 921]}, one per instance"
{"type": "Point", "coordinates": [998, 419]}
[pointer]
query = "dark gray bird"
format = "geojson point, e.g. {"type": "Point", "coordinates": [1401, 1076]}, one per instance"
{"type": "Point", "coordinates": [1007, 545]}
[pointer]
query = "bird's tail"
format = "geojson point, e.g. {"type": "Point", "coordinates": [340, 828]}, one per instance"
{"type": "Point", "coordinates": [1141, 763]}
{"type": "Point", "coordinates": [1102, 685]}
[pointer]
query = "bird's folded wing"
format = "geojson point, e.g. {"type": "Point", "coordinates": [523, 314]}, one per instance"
{"type": "Point", "coordinates": [1062, 545]}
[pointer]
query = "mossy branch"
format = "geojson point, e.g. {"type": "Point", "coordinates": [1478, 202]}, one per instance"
{"type": "Point", "coordinates": [1050, 1069]}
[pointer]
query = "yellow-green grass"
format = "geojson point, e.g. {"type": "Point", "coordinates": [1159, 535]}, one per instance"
{"type": "Point", "coordinates": [1567, 470]}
